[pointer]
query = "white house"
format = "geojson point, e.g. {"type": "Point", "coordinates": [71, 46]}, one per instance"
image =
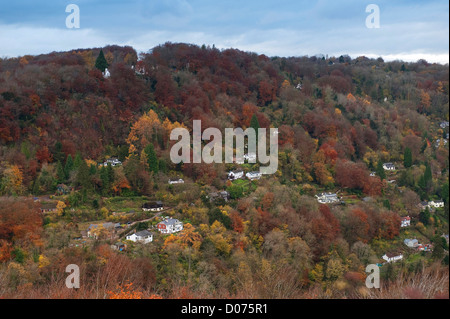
{"type": "Point", "coordinates": [389, 166]}
{"type": "Point", "coordinates": [143, 236]}
{"type": "Point", "coordinates": [373, 174]}
{"type": "Point", "coordinates": [405, 221]}
{"type": "Point", "coordinates": [153, 206]}
{"type": "Point", "coordinates": [170, 226]}
{"type": "Point", "coordinates": [392, 257]}
{"type": "Point", "coordinates": [436, 203]}
{"type": "Point", "coordinates": [106, 73]}
{"type": "Point", "coordinates": [232, 175]}
{"type": "Point", "coordinates": [411, 243]}
{"type": "Point", "coordinates": [250, 157]}
{"type": "Point", "coordinates": [253, 175]}
{"type": "Point", "coordinates": [112, 161]}
{"type": "Point", "coordinates": [438, 142]}
{"type": "Point", "coordinates": [176, 181]}
{"type": "Point", "coordinates": [327, 198]}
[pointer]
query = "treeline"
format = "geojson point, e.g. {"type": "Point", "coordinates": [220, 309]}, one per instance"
{"type": "Point", "coordinates": [328, 111]}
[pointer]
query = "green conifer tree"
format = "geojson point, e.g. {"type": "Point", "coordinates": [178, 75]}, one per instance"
{"type": "Point", "coordinates": [407, 157]}
{"type": "Point", "coordinates": [69, 166]}
{"type": "Point", "coordinates": [380, 171]}
{"type": "Point", "coordinates": [101, 62]}
{"type": "Point", "coordinates": [152, 159]}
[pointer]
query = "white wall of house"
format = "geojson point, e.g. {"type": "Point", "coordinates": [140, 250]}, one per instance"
{"type": "Point", "coordinates": [392, 259]}
{"type": "Point", "coordinates": [136, 238]}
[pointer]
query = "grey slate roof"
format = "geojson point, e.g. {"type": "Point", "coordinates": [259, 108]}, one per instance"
{"type": "Point", "coordinates": [144, 233]}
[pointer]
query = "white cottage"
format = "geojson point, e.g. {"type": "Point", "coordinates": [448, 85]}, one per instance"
{"type": "Point", "coordinates": [170, 226]}
{"type": "Point", "coordinates": [327, 198]}
{"type": "Point", "coordinates": [389, 166]}
{"type": "Point", "coordinates": [253, 175]}
{"type": "Point", "coordinates": [106, 73]}
{"type": "Point", "coordinates": [176, 181]}
{"type": "Point", "coordinates": [153, 206]}
{"type": "Point", "coordinates": [392, 257]}
{"type": "Point", "coordinates": [405, 221]}
{"type": "Point", "coordinates": [436, 203]}
{"type": "Point", "coordinates": [143, 236]}
{"type": "Point", "coordinates": [232, 175]}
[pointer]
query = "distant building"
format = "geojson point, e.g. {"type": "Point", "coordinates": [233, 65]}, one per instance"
{"type": "Point", "coordinates": [444, 124]}
{"type": "Point", "coordinates": [112, 161]}
{"type": "Point", "coordinates": [405, 221]}
{"type": "Point", "coordinates": [389, 166]}
{"type": "Point", "coordinates": [411, 243]}
{"type": "Point", "coordinates": [253, 175]}
{"type": "Point", "coordinates": [436, 203]}
{"type": "Point", "coordinates": [327, 198]}
{"type": "Point", "coordinates": [170, 226]}
{"type": "Point", "coordinates": [106, 73]}
{"type": "Point", "coordinates": [153, 206]}
{"type": "Point", "coordinates": [232, 175]}
{"type": "Point", "coordinates": [176, 181]}
{"type": "Point", "coordinates": [392, 257]}
{"type": "Point", "coordinates": [438, 142]}
{"type": "Point", "coordinates": [48, 207]}
{"type": "Point", "coordinates": [250, 157]}
{"type": "Point", "coordinates": [143, 236]}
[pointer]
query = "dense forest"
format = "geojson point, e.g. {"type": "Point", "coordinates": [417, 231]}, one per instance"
{"type": "Point", "coordinates": [64, 114]}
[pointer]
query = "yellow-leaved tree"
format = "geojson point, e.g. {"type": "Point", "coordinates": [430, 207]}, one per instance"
{"type": "Point", "coordinates": [11, 180]}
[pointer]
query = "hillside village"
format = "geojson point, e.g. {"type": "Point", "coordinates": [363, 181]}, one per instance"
{"type": "Point", "coordinates": [362, 176]}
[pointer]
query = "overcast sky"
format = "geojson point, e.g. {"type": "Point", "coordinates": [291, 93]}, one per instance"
{"type": "Point", "coordinates": [409, 30]}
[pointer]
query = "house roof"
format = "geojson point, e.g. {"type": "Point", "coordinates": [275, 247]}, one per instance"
{"type": "Point", "coordinates": [144, 233]}
{"type": "Point", "coordinates": [170, 221]}
{"type": "Point", "coordinates": [155, 204]}
{"type": "Point", "coordinates": [391, 255]}
{"type": "Point", "coordinates": [48, 205]}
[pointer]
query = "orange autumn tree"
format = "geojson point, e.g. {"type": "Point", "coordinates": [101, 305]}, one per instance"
{"type": "Point", "coordinates": [20, 224]}
{"type": "Point", "coordinates": [236, 222]}
{"type": "Point", "coordinates": [149, 129]}
{"type": "Point", "coordinates": [188, 237]}
{"type": "Point", "coordinates": [144, 131]}
{"type": "Point", "coordinates": [11, 180]}
{"type": "Point", "coordinates": [125, 291]}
